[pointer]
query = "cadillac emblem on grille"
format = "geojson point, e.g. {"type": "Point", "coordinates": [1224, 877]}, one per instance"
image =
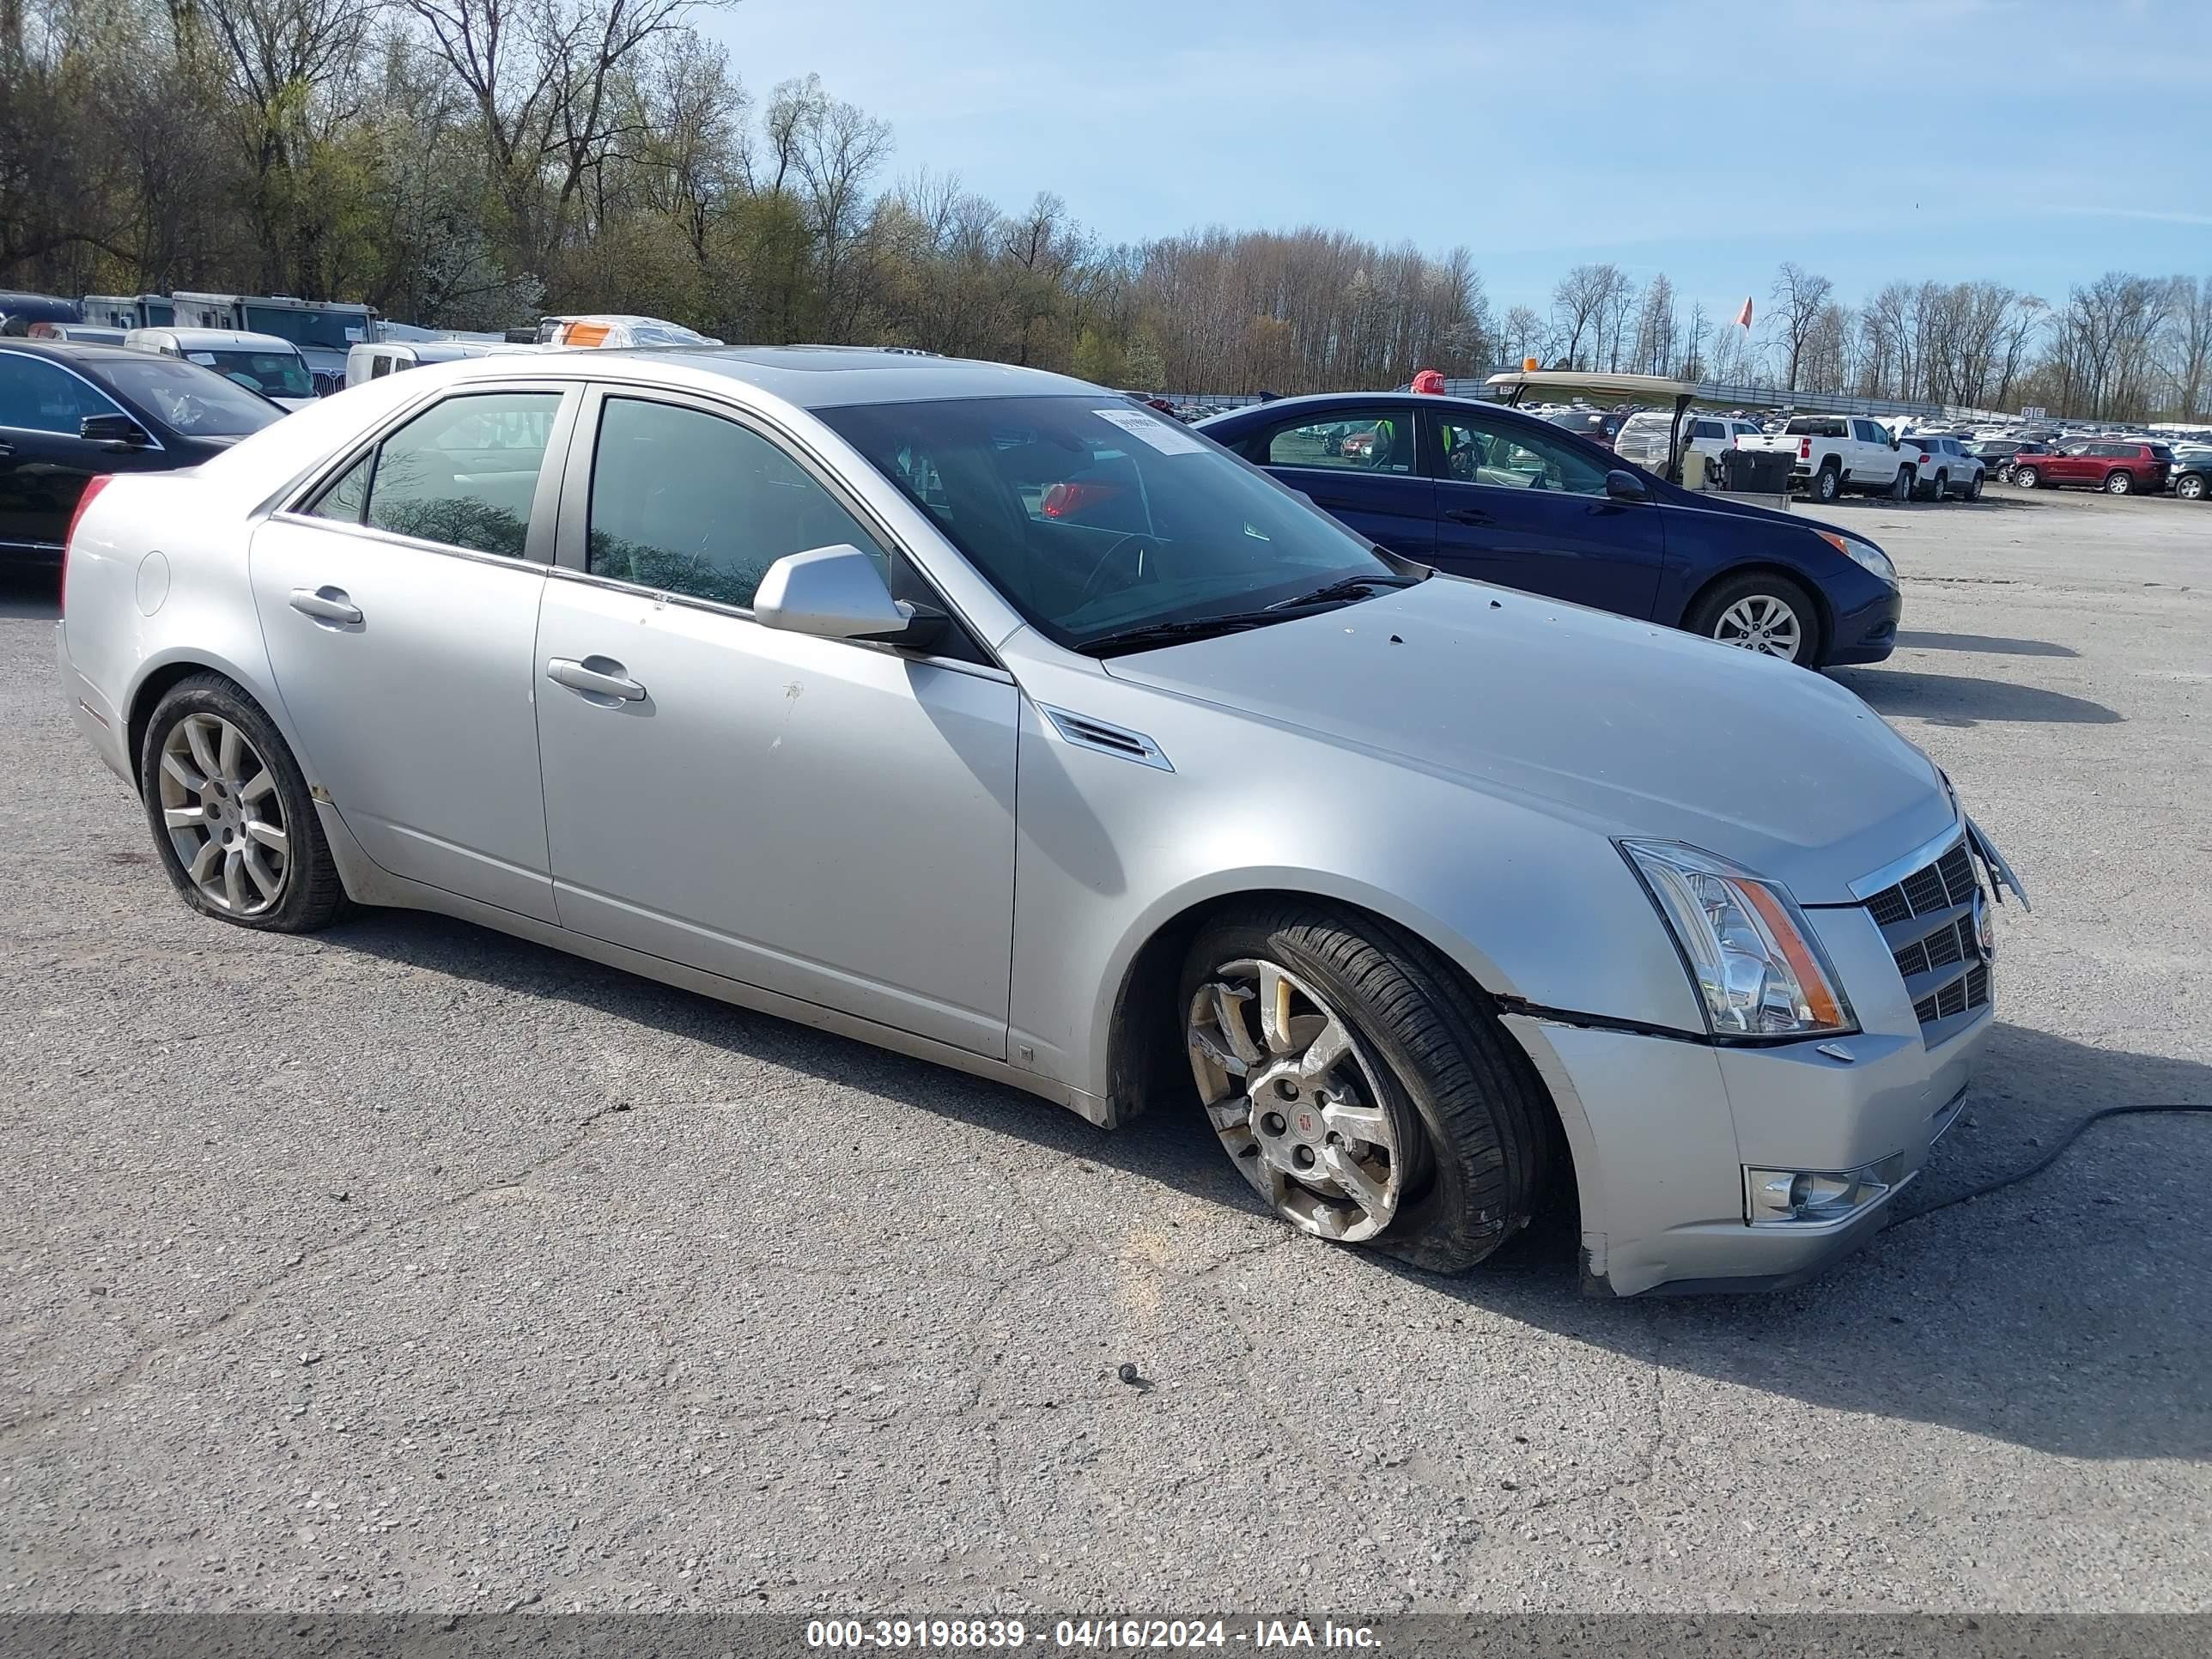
{"type": "Point", "coordinates": [1985, 932]}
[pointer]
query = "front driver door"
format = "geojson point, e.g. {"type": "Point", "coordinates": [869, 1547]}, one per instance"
{"type": "Point", "coordinates": [400, 603]}
{"type": "Point", "coordinates": [830, 819]}
{"type": "Point", "coordinates": [1518, 506]}
{"type": "Point", "coordinates": [1362, 467]}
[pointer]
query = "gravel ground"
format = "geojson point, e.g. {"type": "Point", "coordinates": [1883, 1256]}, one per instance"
{"type": "Point", "coordinates": [412, 1266]}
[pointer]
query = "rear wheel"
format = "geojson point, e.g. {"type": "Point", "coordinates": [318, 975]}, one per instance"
{"type": "Point", "coordinates": [230, 812]}
{"type": "Point", "coordinates": [1942, 487]}
{"type": "Point", "coordinates": [1828, 483]}
{"type": "Point", "coordinates": [1359, 1086]}
{"type": "Point", "coordinates": [1759, 611]}
{"type": "Point", "coordinates": [1974, 487]}
{"type": "Point", "coordinates": [2027, 477]}
{"type": "Point", "coordinates": [2120, 483]}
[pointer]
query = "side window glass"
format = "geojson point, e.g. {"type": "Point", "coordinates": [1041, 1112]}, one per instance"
{"type": "Point", "coordinates": [1379, 440]}
{"type": "Point", "coordinates": [464, 472]}
{"type": "Point", "coordinates": [688, 502]}
{"type": "Point", "coordinates": [38, 397]}
{"type": "Point", "coordinates": [344, 497]}
{"type": "Point", "coordinates": [1515, 459]}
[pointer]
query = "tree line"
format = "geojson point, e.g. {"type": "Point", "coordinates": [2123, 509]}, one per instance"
{"type": "Point", "coordinates": [474, 163]}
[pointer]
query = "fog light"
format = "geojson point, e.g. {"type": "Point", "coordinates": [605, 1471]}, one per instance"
{"type": "Point", "coordinates": [1814, 1197]}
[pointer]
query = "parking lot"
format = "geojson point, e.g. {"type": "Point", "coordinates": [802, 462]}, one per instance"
{"type": "Point", "coordinates": [411, 1266]}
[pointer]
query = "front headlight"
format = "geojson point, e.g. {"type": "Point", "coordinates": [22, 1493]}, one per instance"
{"type": "Point", "coordinates": [1759, 969]}
{"type": "Point", "coordinates": [1865, 555]}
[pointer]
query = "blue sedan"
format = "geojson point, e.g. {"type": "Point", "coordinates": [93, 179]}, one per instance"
{"type": "Point", "coordinates": [1485, 491]}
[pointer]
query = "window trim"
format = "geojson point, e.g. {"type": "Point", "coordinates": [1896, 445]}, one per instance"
{"type": "Point", "coordinates": [297, 505]}
{"type": "Point", "coordinates": [572, 527]}
{"type": "Point", "coordinates": [119, 406]}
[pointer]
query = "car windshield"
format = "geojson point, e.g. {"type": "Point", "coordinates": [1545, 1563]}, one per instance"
{"type": "Point", "coordinates": [332, 330]}
{"type": "Point", "coordinates": [271, 374]}
{"type": "Point", "coordinates": [1094, 517]}
{"type": "Point", "coordinates": [195, 401]}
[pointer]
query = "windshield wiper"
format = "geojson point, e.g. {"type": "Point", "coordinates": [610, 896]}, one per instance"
{"type": "Point", "coordinates": [1349, 588]}
{"type": "Point", "coordinates": [1190, 628]}
{"type": "Point", "coordinates": [1231, 622]}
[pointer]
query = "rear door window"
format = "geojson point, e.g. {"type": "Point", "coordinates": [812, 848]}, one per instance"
{"type": "Point", "coordinates": [464, 474]}
{"type": "Point", "coordinates": [1364, 441]}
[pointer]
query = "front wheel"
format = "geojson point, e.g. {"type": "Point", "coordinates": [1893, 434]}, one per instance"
{"type": "Point", "coordinates": [230, 812]}
{"type": "Point", "coordinates": [1759, 611]}
{"type": "Point", "coordinates": [1974, 487]}
{"type": "Point", "coordinates": [2120, 483]}
{"type": "Point", "coordinates": [2027, 477]}
{"type": "Point", "coordinates": [1900, 486]}
{"type": "Point", "coordinates": [1360, 1087]}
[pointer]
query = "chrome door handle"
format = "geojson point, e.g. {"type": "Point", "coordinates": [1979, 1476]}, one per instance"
{"type": "Point", "coordinates": [1468, 516]}
{"type": "Point", "coordinates": [605, 681]}
{"type": "Point", "coordinates": [328, 605]}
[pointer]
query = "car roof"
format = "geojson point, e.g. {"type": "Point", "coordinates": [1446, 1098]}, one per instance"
{"type": "Point", "coordinates": [73, 352]}
{"type": "Point", "coordinates": [217, 337]}
{"type": "Point", "coordinates": [805, 377]}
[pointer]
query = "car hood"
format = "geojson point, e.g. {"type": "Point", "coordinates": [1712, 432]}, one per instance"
{"type": "Point", "coordinates": [1630, 728]}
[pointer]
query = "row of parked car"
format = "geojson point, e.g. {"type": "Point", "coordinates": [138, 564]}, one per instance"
{"type": "Point", "coordinates": [1832, 454]}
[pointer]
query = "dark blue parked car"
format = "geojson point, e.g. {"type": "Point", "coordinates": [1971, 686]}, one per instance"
{"type": "Point", "coordinates": [1485, 491]}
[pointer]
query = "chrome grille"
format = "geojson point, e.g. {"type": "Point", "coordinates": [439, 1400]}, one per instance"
{"type": "Point", "coordinates": [1926, 919]}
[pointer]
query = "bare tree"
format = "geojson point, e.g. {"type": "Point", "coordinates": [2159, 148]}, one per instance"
{"type": "Point", "coordinates": [1582, 306]}
{"type": "Point", "coordinates": [1801, 296]}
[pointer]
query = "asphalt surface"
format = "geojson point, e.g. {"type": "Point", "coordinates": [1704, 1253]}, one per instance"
{"type": "Point", "coordinates": [410, 1265]}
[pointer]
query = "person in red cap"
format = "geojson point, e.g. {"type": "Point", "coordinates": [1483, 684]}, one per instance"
{"type": "Point", "coordinates": [1431, 381]}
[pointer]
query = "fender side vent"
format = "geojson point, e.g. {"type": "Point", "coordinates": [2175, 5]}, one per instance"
{"type": "Point", "coordinates": [1087, 733]}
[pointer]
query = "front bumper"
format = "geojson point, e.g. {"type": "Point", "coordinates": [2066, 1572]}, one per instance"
{"type": "Point", "coordinates": [1662, 1129]}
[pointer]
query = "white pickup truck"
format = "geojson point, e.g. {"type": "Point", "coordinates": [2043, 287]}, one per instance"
{"type": "Point", "coordinates": [1836, 453]}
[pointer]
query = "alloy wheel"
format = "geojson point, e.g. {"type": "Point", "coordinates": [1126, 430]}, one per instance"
{"type": "Point", "coordinates": [1295, 1101]}
{"type": "Point", "coordinates": [2119, 483]}
{"type": "Point", "coordinates": [224, 814]}
{"type": "Point", "coordinates": [1762, 622]}
{"type": "Point", "coordinates": [2190, 488]}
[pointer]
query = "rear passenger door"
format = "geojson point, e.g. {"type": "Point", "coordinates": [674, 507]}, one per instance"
{"type": "Point", "coordinates": [397, 595]}
{"type": "Point", "coordinates": [1361, 465]}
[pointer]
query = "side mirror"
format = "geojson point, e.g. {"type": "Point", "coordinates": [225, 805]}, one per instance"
{"type": "Point", "coordinates": [832, 592]}
{"type": "Point", "coordinates": [118, 431]}
{"type": "Point", "coordinates": [1895, 442]}
{"type": "Point", "coordinates": [1626, 486]}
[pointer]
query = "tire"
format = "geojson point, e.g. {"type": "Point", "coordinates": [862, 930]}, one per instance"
{"type": "Point", "coordinates": [1900, 486]}
{"type": "Point", "coordinates": [2119, 483]}
{"type": "Point", "coordinates": [1472, 1131]}
{"type": "Point", "coordinates": [1827, 483]}
{"type": "Point", "coordinates": [1716, 614]}
{"type": "Point", "coordinates": [2189, 486]}
{"type": "Point", "coordinates": [1942, 487]}
{"type": "Point", "coordinates": [2027, 477]}
{"type": "Point", "coordinates": [1974, 487]}
{"type": "Point", "coordinates": [267, 835]}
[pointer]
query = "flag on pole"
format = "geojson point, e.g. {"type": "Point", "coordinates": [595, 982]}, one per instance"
{"type": "Point", "coordinates": [1743, 316]}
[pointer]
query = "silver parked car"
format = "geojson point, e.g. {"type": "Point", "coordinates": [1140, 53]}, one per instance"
{"type": "Point", "coordinates": [983, 714]}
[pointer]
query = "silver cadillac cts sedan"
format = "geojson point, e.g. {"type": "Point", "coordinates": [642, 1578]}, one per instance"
{"type": "Point", "coordinates": [986, 715]}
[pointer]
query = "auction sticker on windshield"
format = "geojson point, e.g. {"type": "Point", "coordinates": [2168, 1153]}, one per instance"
{"type": "Point", "coordinates": [1168, 440]}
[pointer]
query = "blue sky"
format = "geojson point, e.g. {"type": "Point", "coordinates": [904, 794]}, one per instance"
{"type": "Point", "coordinates": [2039, 143]}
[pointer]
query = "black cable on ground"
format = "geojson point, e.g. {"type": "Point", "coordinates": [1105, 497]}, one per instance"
{"type": "Point", "coordinates": [2049, 1157]}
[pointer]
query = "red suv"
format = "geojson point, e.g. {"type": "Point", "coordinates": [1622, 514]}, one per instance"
{"type": "Point", "coordinates": [2119, 466]}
